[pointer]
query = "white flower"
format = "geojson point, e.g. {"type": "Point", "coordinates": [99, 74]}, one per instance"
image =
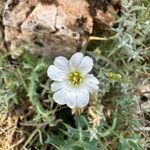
{"type": "Point", "coordinates": [72, 83]}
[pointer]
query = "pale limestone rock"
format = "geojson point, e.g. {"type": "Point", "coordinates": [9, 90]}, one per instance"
{"type": "Point", "coordinates": [43, 16]}
{"type": "Point", "coordinates": [146, 90]}
{"type": "Point", "coordinates": [2, 3]}
{"type": "Point", "coordinates": [50, 29]}
{"type": "Point", "coordinates": [106, 18]}
{"type": "Point", "coordinates": [15, 17]}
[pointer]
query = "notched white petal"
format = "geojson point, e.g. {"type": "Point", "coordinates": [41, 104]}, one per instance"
{"type": "Point", "coordinates": [58, 98]}
{"type": "Point", "coordinates": [75, 61]}
{"type": "Point", "coordinates": [62, 63]}
{"type": "Point", "coordinates": [58, 85]}
{"type": "Point", "coordinates": [55, 73]}
{"type": "Point", "coordinates": [82, 97]}
{"type": "Point", "coordinates": [91, 78]}
{"type": "Point", "coordinates": [86, 65]}
{"type": "Point", "coordinates": [71, 99]}
{"type": "Point", "coordinates": [92, 88]}
{"type": "Point", "coordinates": [91, 82]}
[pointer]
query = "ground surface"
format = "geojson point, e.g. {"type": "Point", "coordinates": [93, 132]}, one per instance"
{"type": "Point", "coordinates": [117, 118]}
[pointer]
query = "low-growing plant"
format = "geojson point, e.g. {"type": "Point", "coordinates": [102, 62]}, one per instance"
{"type": "Point", "coordinates": [113, 118]}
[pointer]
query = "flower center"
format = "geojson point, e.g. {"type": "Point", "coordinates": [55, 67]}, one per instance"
{"type": "Point", "coordinates": [75, 78]}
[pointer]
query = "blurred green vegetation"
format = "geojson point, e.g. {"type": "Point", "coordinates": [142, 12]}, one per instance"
{"type": "Point", "coordinates": [112, 118]}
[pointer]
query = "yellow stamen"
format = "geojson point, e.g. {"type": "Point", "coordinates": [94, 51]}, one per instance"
{"type": "Point", "coordinates": [75, 78]}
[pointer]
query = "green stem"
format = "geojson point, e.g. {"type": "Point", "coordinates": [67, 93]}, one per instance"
{"type": "Point", "coordinates": [110, 130]}
{"type": "Point", "coordinates": [34, 98]}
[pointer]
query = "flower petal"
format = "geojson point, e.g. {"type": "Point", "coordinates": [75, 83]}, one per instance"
{"type": "Point", "coordinates": [91, 78]}
{"type": "Point", "coordinates": [86, 65]}
{"type": "Point", "coordinates": [55, 73]}
{"type": "Point", "coordinates": [58, 85]}
{"type": "Point", "coordinates": [92, 88]}
{"type": "Point", "coordinates": [62, 63]}
{"type": "Point", "coordinates": [59, 96]}
{"type": "Point", "coordinates": [91, 83]}
{"type": "Point", "coordinates": [71, 98]}
{"type": "Point", "coordinates": [82, 97]}
{"type": "Point", "coordinates": [76, 60]}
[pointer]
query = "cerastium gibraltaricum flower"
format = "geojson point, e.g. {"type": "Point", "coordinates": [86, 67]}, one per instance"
{"type": "Point", "coordinates": [72, 82]}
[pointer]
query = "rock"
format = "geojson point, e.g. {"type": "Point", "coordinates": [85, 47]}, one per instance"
{"type": "Point", "coordinates": [51, 28]}
{"type": "Point", "coordinates": [145, 89]}
{"type": "Point", "coordinates": [2, 3]}
{"type": "Point", "coordinates": [106, 18]}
